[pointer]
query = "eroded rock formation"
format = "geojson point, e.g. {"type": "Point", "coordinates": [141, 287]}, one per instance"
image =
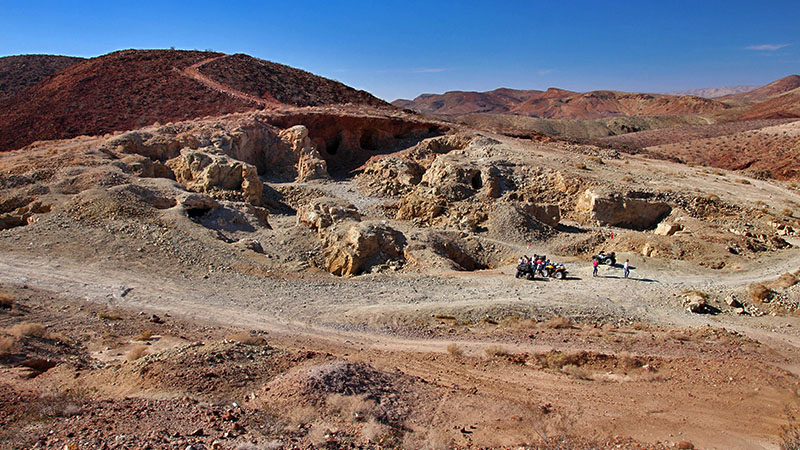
{"type": "Point", "coordinates": [206, 170]}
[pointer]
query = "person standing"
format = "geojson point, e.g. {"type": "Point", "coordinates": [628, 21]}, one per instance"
{"type": "Point", "coordinates": [626, 270]}
{"type": "Point", "coordinates": [594, 267]}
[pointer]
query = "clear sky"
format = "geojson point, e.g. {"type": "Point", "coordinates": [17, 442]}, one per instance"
{"type": "Point", "coordinates": [399, 49]}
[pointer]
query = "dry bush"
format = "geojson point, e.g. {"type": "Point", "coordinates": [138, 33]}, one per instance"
{"type": "Point", "coordinates": [6, 301]}
{"type": "Point", "coordinates": [247, 338]}
{"type": "Point", "coordinates": [680, 335]}
{"type": "Point", "coordinates": [444, 317]}
{"type": "Point", "coordinates": [7, 345]}
{"type": "Point", "coordinates": [145, 335]}
{"type": "Point", "coordinates": [627, 179]}
{"type": "Point", "coordinates": [59, 404]}
{"type": "Point", "coordinates": [375, 431]}
{"type": "Point", "coordinates": [555, 359]}
{"type": "Point", "coordinates": [581, 373]}
{"type": "Point", "coordinates": [640, 326]}
{"type": "Point", "coordinates": [137, 352]}
{"type": "Point", "coordinates": [494, 351]}
{"type": "Point", "coordinates": [558, 323]}
{"type": "Point", "coordinates": [595, 159]}
{"type": "Point", "coordinates": [455, 350]}
{"type": "Point", "coordinates": [759, 293]}
{"type": "Point", "coordinates": [628, 361]}
{"type": "Point", "coordinates": [580, 165]}
{"type": "Point", "coordinates": [353, 407]}
{"type": "Point", "coordinates": [743, 181]}
{"type": "Point", "coordinates": [784, 281]}
{"type": "Point", "coordinates": [23, 329]}
{"type": "Point", "coordinates": [712, 197]}
{"type": "Point", "coordinates": [787, 212]}
{"type": "Point", "coordinates": [109, 316]}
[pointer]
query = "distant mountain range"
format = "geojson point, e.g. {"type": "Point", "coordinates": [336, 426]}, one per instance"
{"type": "Point", "coordinates": [714, 92]}
{"type": "Point", "coordinates": [779, 99]}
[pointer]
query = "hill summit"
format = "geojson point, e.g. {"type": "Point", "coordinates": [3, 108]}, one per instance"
{"type": "Point", "coordinates": [128, 89]}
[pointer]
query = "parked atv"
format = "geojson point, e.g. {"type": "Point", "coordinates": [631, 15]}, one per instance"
{"type": "Point", "coordinates": [606, 258]}
{"type": "Point", "coordinates": [557, 271]}
{"type": "Point", "coordinates": [525, 270]}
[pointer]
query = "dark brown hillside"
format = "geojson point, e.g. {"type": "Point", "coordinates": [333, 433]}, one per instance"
{"type": "Point", "coordinates": [132, 88]}
{"type": "Point", "coordinates": [269, 80]}
{"type": "Point", "coordinates": [20, 71]}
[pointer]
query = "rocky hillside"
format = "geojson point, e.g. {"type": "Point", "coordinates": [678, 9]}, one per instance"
{"type": "Point", "coordinates": [129, 89]}
{"type": "Point", "coordinates": [20, 71]}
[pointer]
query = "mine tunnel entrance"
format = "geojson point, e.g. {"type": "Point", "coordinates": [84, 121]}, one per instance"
{"type": "Point", "coordinates": [347, 142]}
{"type": "Point", "coordinates": [197, 212]}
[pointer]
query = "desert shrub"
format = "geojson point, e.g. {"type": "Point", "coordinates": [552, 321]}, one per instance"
{"type": "Point", "coordinates": [455, 350]}
{"type": "Point", "coordinates": [581, 373]}
{"type": "Point", "coordinates": [494, 351]}
{"type": "Point", "coordinates": [7, 345]}
{"type": "Point", "coordinates": [743, 181]}
{"type": "Point", "coordinates": [628, 361]}
{"type": "Point", "coordinates": [6, 301]}
{"type": "Point", "coordinates": [759, 293]}
{"type": "Point", "coordinates": [785, 281]}
{"type": "Point", "coordinates": [58, 404]}
{"type": "Point", "coordinates": [711, 197]}
{"type": "Point", "coordinates": [787, 212]}
{"type": "Point", "coordinates": [145, 335]}
{"type": "Point", "coordinates": [356, 407]}
{"type": "Point", "coordinates": [558, 323]}
{"type": "Point", "coordinates": [137, 352]}
{"type": "Point", "coordinates": [375, 431]}
{"type": "Point", "coordinates": [580, 165]}
{"type": "Point", "coordinates": [443, 317]}
{"type": "Point", "coordinates": [23, 329]}
{"type": "Point", "coordinates": [247, 338]}
{"type": "Point", "coordinates": [109, 316]}
{"type": "Point", "coordinates": [627, 179]}
{"type": "Point", "coordinates": [595, 159]}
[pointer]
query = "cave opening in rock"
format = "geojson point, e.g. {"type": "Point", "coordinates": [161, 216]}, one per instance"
{"type": "Point", "coordinates": [332, 146]}
{"type": "Point", "coordinates": [477, 181]}
{"type": "Point", "coordinates": [198, 212]}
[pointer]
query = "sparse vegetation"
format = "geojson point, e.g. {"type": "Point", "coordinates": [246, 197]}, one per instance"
{"type": "Point", "coordinates": [109, 316]}
{"type": "Point", "coordinates": [558, 323]}
{"type": "Point", "coordinates": [247, 338]}
{"type": "Point", "coordinates": [6, 300]}
{"type": "Point", "coordinates": [494, 351]}
{"type": "Point", "coordinates": [759, 293]}
{"type": "Point", "coordinates": [26, 329]}
{"type": "Point", "coordinates": [145, 335]}
{"type": "Point", "coordinates": [7, 345]}
{"type": "Point", "coordinates": [455, 350]}
{"type": "Point", "coordinates": [578, 372]}
{"type": "Point", "coordinates": [137, 352]}
{"type": "Point", "coordinates": [787, 212]}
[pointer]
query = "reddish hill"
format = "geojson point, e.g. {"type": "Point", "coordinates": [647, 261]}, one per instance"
{"type": "Point", "coordinates": [19, 72]}
{"type": "Point", "coordinates": [129, 89]}
{"type": "Point", "coordinates": [765, 93]}
{"type": "Point", "coordinates": [561, 104]}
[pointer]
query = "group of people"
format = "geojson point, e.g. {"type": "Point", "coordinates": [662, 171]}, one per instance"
{"type": "Point", "coordinates": [537, 262]}
{"type": "Point", "coordinates": [626, 268]}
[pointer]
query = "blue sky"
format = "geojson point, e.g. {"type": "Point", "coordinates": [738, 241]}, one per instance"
{"type": "Point", "coordinates": [403, 48]}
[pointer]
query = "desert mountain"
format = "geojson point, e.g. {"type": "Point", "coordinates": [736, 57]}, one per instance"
{"type": "Point", "coordinates": [714, 92]}
{"type": "Point", "coordinates": [128, 89]}
{"type": "Point", "coordinates": [19, 72]}
{"type": "Point", "coordinates": [560, 104]}
{"type": "Point", "coordinates": [767, 92]}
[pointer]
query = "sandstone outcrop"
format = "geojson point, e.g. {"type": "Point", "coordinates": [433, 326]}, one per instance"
{"type": "Point", "coordinates": [323, 212]}
{"type": "Point", "coordinates": [617, 210]}
{"type": "Point", "coordinates": [359, 247]}
{"type": "Point", "coordinates": [309, 165]}
{"type": "Point", "coordinates": [206, 170]}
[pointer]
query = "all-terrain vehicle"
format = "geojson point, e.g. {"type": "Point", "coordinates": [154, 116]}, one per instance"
{"type": "Point", "coordinates": [557, 271]}
{"type": "Point", "coordinates": [606, 258]}
{"type": "Point", "coordinates": [525, 270]}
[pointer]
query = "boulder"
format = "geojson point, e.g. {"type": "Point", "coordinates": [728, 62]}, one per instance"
{"type": "Point", "coordinates": [414, 206]}
{"type": "Point", "coordinates": [361, 246]}
{"type": "Point", "coordinates": [323, 212]}
{"type": "Point", "coordinates": [310, 165]}
{"type": "Point", "coordinates": [391, 176]}
{"type": "Point", "coordinates": [695, 302]}
{"type": "Point", "coordinates": [545, 213]}
{"type": "Point", "coordinates": [617, 210]}
{"type": "Point", "coordinates": [209, 171]}
{"type": "Point", "coordinates": [667, 229]}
